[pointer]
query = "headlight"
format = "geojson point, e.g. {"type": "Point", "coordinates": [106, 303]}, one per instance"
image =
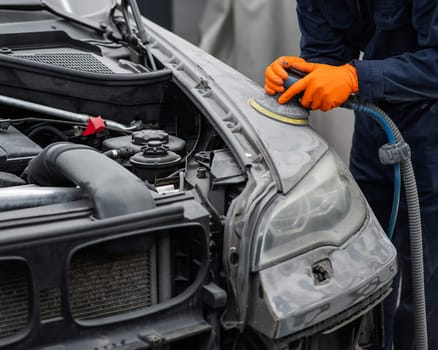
{"type": "Point", "coordinates": [325, 208]}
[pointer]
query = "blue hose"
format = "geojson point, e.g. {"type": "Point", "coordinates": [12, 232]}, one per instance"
{"type": "Point", "coordinates": [397, 175]}
{"type": "Point", "coordinates": [414, 216]}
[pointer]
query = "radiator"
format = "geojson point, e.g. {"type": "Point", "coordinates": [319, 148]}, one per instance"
{"type": "Point", "coordinates": [15, 291]}
{"type": "Point", "coordinates": [103, 284]}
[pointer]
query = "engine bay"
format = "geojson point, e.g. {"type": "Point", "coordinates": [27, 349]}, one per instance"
{"type": "Point", "coordinates": [114, 188]}
{"type": "Point", "coordinates": [184, 156]}
{"type": "Point", "coordinates": [101, 94]}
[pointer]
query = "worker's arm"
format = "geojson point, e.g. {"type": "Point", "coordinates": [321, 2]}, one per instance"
{"type": "Point", "coordinates": [327, 85]}
{"type": "Point", "coordinates": [410, 76]}
{"type": "Point", "coordinates": [320, 41]}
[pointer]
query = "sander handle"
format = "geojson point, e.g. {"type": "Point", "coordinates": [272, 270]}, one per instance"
{"type": "Point", "coordinates": [294, 76]}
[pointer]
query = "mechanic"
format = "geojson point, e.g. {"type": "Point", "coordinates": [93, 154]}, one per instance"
{"type": "Point", "coordinates": [399, 73]}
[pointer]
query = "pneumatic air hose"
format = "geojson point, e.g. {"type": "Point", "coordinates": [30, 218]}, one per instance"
{"type": "Point", "coordinates": [414, 215]}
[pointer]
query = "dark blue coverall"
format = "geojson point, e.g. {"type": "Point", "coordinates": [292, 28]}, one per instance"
{"type": "Point", "coordinates": [399, 72]}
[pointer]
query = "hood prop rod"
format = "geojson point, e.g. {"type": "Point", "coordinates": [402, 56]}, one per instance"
{"type": "Point", "coordinates": [63, 114]}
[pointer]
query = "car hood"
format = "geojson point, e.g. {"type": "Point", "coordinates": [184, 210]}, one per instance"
{"type": "Point", "coordinates": [290, 151]}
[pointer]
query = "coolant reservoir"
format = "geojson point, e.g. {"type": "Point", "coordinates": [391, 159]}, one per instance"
{"type": "Point", "coordinates": [140, 139]}
{"type": "Point", "coordinates": [154, 161]}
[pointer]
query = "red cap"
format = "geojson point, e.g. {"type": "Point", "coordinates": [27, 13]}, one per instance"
{"type": "Point", "coordinates": [95, 124]}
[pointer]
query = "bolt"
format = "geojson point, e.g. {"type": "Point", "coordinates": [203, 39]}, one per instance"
{"type": "Point", "coordinates": [201, 173]}
{"type": "Point", "coordinates": [154, 339]}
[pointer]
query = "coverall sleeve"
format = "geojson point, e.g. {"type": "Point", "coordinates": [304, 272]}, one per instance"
{"type": "Point", "coordinates": [320, 42]}
{"type": "Point", "coordinates": [410, 76]}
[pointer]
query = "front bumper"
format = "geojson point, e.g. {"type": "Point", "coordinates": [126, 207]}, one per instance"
{"type": "Point", "coordinates": [293, 298]}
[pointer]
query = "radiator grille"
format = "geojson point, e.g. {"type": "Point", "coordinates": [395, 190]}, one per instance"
{"type": "Point", "coordinates": [50, 303]}
{"type": "Point", "coordinates": [80, 61]}
{"type": "Point", "coordinates": [103, 285]}
{"type": "Point", "coordinates": [14, 298]}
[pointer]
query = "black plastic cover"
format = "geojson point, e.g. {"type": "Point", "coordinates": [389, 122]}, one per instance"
{"type": "Point", "coordinates": [16, 150]}
{"type": "Point", "coordinates": [121, 97]}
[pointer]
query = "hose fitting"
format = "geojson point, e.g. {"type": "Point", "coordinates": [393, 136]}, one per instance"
{"type": "Point", "coordinates": [396, 153]}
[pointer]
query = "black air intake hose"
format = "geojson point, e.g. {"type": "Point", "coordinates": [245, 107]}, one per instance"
{"type": "Point", "coordinates": [113, 189]}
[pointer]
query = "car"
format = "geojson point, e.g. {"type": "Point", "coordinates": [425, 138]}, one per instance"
{"type": "Point", "coordinates": [146, 205]}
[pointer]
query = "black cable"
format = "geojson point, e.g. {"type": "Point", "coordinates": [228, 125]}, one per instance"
{"type": "Point", "coordinates": [48, 128]}
{"type": "Point", "coordinates": [198, 137]}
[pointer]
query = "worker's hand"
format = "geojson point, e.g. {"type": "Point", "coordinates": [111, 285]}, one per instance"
{"type": "Point", "coordinates": [325, 87]}
{"type": "Point", "coordinates": [276, 73]}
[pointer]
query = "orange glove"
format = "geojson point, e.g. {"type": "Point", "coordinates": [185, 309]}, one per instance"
{"type": "Point", "coordinates": [325, 87]}
{"type": "Point", "coordinates": [276, 73]}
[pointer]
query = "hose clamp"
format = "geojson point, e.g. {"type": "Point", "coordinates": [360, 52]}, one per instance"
{"type": "Point", "coordinates": [390, 154]}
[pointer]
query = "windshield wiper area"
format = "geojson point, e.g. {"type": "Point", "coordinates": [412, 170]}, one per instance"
{"type": "Point", "coordinates": [41, 5]}
{"type": "Point", "coordinates": [141, 42]}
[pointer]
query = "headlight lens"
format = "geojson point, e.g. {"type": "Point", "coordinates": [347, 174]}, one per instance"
{"type": "Point", "coordinates": [325, 208]}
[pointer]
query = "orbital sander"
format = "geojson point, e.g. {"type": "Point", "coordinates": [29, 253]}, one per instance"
{"type": "Point", "coordinates": [289, 113]}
